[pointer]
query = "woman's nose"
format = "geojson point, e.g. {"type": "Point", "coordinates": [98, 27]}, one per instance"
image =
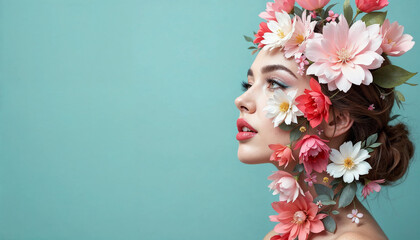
{"type": "Point", "coordinates": [245, 103]}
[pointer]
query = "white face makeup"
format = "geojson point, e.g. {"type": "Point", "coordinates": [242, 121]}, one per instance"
{"type": "Point", "coordinates": [270, 71]}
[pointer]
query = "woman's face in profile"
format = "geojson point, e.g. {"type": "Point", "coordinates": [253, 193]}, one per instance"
{"type": "Point", "coordinates": [270, 71]}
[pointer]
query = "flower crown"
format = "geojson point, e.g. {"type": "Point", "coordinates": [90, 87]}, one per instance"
{"type": "Point", "coordinates": [340, 51]}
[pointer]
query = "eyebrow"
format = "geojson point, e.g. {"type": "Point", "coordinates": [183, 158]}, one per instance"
{"type": "Point", "coordinates": [271, 68]}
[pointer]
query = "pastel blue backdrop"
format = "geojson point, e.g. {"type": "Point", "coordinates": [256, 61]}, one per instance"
{"type": "Point", "coordinates": [117, 121]}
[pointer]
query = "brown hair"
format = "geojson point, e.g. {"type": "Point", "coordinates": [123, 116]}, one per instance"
{"type": "Point", "coordinates": [391, 159]}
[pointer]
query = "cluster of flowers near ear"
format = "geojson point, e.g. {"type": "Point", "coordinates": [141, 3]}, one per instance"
{"type": "Point", "coordinates": [337, 48]}
{"type": "Point", "coordinates": [340, 51]}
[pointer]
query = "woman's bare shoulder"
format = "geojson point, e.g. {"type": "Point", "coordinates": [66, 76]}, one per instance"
{"type": "Point", "coordinates": [344, 236]}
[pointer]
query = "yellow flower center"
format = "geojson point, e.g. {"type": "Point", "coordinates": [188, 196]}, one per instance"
{"type": "Point", "coordinates": [325, 179]}
{"type": "Point", "coordinates": [284, 106]}
{"type": "Point", "coordinates": [348, 163]}
{"type": "Point", "coordinates": [302, 129]}
{"type": "Point", "coordinates": [300, 38]}
{"type": "Point", "coordinates": [343, 55]}
{"type": "Point", "coordinates": [280, 33]}
{"type": "Point", "coordinates": [299, 217]}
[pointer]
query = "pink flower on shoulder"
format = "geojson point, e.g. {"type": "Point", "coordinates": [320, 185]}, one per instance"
{"type": "Point", "coordinates": [368, 6]}
{"type": "Point", "coordinates": [304, 30]}
{"type": "Point", "coordinates": [277, 6]}
{"type": "Point", "coordinates": [314, 104]}
{"type": "Point", "coordinates": [372, 186]}
{"type": "Point", "coordinates": [343, 55]}
{"type": "Point", "coordinates": [394, 42]}
{"type": "Point", "coordinates": [282, 154]}
{"type": "Point", "coordinates": [298, 218]}
{"type": "Point", "coordinates": [314, 153]}
{"type": "Point", "coordinates": [285, 185]}
{"type": "Point", "coordinates": [259, 36]}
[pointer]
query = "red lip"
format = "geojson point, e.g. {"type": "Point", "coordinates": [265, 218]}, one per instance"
{"type": "Point", "coordinates": [240, 123]}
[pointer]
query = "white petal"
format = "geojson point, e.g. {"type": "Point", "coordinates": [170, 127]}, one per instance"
{"type": "Point", "coordinates": [336, 157]}
{"type": "Point", "coordinates": [348, 177]}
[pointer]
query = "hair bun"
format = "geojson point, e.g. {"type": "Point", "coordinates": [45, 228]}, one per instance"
{"type": "Point", "coordinates": [391, 159]}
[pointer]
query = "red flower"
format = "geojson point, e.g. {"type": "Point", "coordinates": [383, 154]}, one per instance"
{"type": "Point", "coordinates": [259, 36]}
{"type": "Point", "coordinates": [314, 153]}
{"type": "Point", "coordinates": [281, 153]}
{"type": "Point", "coordinates": [298, 218]}
{"type": "Point", "coordinates": [280, 237]}
{"type": "Point", "coordinates": [368, 6]}
{"type": "Point", "coordinates": [314, 104]}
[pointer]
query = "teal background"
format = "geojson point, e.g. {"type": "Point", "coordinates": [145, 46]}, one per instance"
{"type": "Point", "coordinates": [117, 121]}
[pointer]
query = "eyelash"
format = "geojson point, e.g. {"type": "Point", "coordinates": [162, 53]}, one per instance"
{"type": "Point", "coordinates": [246, 86]}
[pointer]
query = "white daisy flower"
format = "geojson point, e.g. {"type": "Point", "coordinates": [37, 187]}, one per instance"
{"type": "Point", "coordinates": [281, 31]}
{"type": "Point", "coordinates": [281, 107]}
{"type": "Point", "coordinates": [349, 162]}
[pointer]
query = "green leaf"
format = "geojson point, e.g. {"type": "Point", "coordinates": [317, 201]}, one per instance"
{"type": "Point", "coordinates": [295, 134]}
{"type": "Point", "coordinates": [411, 84]}
{"type": "Point", "coordinates": [400, 96]}
{"type": "Point", "coordinates": [347, 195]}
{"type": "Point", "coordinates": [369, 150]}
{"type": "Point", "coordinates": [391, 76]}
{"type": "Point", "coordinates": [298, 11]}
{"type": "Point", "coordinates": [335, 212]}
{"type": "Point", "coordinates": [374, 18]}
{"type": "Point", "coordinates": [248, 39]}
{"type": "Point", "coordinates": [371, 139]}
{"type": "Point", "coordinates": [322, 198]}
{"type": "Point", "coordinates": [252, 47]}
{"type": "Point", "coordinates": [348, 11]}
{"type": "Point", "coordinates": [298, 168]}
{"type": "Point", "coordinates": [323, 190]}
{"type": "Point", "coordinates": [325, 13]}
{"type": "Point", "coordinates": [375, 145]}
{"type": "Point", "coordinates": [329, 224]}
{"type": "Point", "coordinates": [335, 181]}
{"type": "Point", "coordinates": [285, 127]}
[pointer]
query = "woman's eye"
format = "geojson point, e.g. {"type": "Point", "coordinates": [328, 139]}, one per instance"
{"type": "Point", "coordinates": [245, 86]}
{"type": "Point", "coordinates": [273, 84]}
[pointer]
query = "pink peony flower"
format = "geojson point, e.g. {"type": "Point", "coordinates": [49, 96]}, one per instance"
{"type": "Point", "coordinates": [285, 185]}
{"type": "Point", "coordinates": [372, 186]}
{"type": "Point", "coordinates": [310, 179]}
{"type": "Point", "coordinates": [312, 4]}
{"type": "Point", "coordinates": [277, 6]}
{"type": "Point", "coordinates": [331, 16]}
{"type": "Point", "coordinates": [304, 29]}
{"type": "Point", "coordinates": [342, 56]}
{"type": "Point", "coordinates": [371, 5]}
{"type": "Point", "coordinates": [314, 153]}
{"type": "Point", "coordinates": [281, 153]}
{"type": "Point", "coordinates": [394, 43]}
{"type": "Point", "coordinates": [314, 104]}
{"type": "Point", "coordinates": [298, 218]}
{"type": "Point", "coordinates": [259, 36]}
{"type": "Point", "coordinates": [354, 216]}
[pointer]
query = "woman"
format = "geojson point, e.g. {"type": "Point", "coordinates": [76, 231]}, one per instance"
{"type": "Point", "coordinates": [332, 129]}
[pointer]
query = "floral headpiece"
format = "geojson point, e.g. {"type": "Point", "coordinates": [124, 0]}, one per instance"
{"type": "Point", "coordinates": [340, 51]}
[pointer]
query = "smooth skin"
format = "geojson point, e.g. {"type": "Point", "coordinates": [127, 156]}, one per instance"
{"type": "Point", "coordinates": [270, 71]}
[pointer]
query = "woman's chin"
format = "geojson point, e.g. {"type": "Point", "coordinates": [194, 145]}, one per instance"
{"type": "Point", "coordinates": [252, 157]}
